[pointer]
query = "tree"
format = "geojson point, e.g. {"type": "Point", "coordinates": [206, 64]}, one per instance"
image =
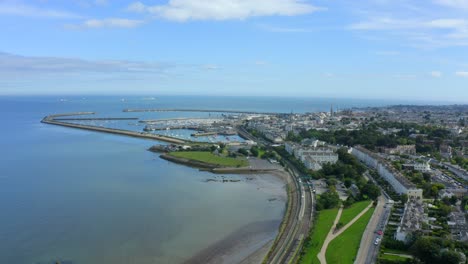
{"type": "Point", "coordinates": [371, 190]}
{"type": "Point", "coordinates": [348, 182]}
{"type": "Point", "coordinates": [254, 151]}
{"type": "Point", "coordinates": [445, 210]}
{"type": "Point", "coordinates": [450, 257]}
{"type": "Point", "coordinates": [328, 200]}
{"type": "Point", "coordinates": [426, 249]}
{"type": "Point", "coordinates": [243, 151]}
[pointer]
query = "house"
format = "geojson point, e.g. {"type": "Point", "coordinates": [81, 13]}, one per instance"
{"type": "Point", "coordinates": [413, 217]}
{"type": "Point", "coordinates": [419, 166]}
{"type": "Point", "coordinates": [401, 149]}
{"type": "Point", "coordinates": [446, 151]}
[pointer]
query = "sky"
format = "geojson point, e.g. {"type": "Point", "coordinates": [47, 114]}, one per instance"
{"type": "Point", "coordinates": [395, 49]}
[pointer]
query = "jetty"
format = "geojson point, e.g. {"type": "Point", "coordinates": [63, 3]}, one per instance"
{"type": "Point", "coordinates": [53, 120]}
{"type": "Point", "coordinates": [96, 119]}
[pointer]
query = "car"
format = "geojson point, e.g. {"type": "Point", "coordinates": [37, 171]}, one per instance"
{"type": "Point", "coordinates": [377, 240]}
{"type": "Point", "coordinates": [379, 232]}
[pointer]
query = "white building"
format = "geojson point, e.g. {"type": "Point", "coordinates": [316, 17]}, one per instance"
{"type": "Point", "coordinates": [314, 154]}
{"type": "Point", "coordinates": [399, 183]}
{"type": "Point", "coordinates": [424, 167]}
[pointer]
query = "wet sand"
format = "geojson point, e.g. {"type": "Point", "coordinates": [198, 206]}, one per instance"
{"type": "Point", "coordinates": [251, 243]}
{"type": "Point", "coordinates": [246, 243]}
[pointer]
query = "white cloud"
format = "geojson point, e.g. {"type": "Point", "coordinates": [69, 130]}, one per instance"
{"type": "Point", "coordinates": [17, 9]}
{"type": "Point", "coordinates": [384, 23]}
{"type": "Point", "coordinates": [436, 74]}
{"type": "Point", "coordinates": [453, 3]}
{"type": "Point", "coordinates": [419, 32]}
{"type": "Point", "coordinates": [185, 10]}
{"type": "Point", "coordinates": [23, 64]}
{"type": "Point", "coordinates": [137, 7]}
{"type": "Point", "coordinates": [461, 73]}
{"type": "Point", "coordinates": [387, 23]}
{"type": "Point", "coordinates": [107, 23]}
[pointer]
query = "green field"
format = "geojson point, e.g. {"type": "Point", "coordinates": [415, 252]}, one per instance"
{"type": "Point", "coordinates": [343, 249]}
{"type": "Point", "coordinates": [320, 231]}
{"type": "Point", "coordinates": [211, 158]}
{"type": "Point", "coordinates": [352, 211]}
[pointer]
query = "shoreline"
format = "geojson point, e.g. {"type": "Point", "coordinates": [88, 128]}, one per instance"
{"type": "Point", "coordinates": [263, 253]}
{"type": "Point", "coordinates": [258, 251]}
{"type": "Point", "coordinates": [245, 245]}
{"type": "Point", "coordinates": [217, 169]}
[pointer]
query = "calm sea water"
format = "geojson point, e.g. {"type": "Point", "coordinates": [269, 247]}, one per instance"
{"type": "Point", "coordinates": [85, 197]}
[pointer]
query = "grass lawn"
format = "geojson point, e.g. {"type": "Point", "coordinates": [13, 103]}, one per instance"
{"type": "Point", "coordinates": [209, 157]}
{"type": "Point", "coordinates": [320, 230]}
{"type": "Point", "coordinates": [352, 211]}
{"type": "Point", "coordinates": [343, 249]}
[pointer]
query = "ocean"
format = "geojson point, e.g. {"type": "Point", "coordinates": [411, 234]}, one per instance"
{"type": "Point", "coordinates": [83, 197]}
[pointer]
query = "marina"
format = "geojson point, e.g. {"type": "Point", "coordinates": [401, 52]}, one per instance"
{"type": "Point", "coordinates": [202, 110]}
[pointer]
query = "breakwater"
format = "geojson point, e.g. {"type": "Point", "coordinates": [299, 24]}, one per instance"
{"type": "Point", "coordinates": [52, 121]}
{"type": "Point", "coordinates": [95, 118]}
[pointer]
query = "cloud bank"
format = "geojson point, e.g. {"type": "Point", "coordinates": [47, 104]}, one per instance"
{"type": "Point", "coordinates": [23, 64]}
{"type": "Point", "coordinates": [185, 10]}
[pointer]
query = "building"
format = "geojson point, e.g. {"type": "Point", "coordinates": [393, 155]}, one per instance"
{"type": "Point", "coordinates": [413, 217]}
{"type": "Point", "coordinates": [419, 166]}
{"type": "Point", "coordinates": [313, 160]}
{"type": "Point", "coordinates": [401, 149]}
{"type": "Point", "coordinates": [458, 225]}
{"type": "Point", "coordinates": [312, 153]}
{"type": "Point", "coordinates": [449, 192]}
{"type": "Point", "coordinates": [399, 182]}
{"type": "Point", "coordinates": [446, 151]}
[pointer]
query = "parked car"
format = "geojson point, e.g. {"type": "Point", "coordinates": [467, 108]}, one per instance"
{"type": "Point", "coordinates": [377, 241]}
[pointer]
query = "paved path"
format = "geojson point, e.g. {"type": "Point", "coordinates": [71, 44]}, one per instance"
{"type": "Point", "coordinates": [399, 255]}
{"type": "Point", "coordinates": [367, 240]}
{"type": "Point", "coordinates": [331, 235]}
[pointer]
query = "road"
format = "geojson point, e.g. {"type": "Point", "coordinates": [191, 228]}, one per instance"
{"type": "Point", "coordinates": [367, 248]}
{"type": "Point", "coordinates": [368, 251]}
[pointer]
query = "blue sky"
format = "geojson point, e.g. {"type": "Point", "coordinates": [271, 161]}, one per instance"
{"type": "Point", "coordinates": [413, 50]}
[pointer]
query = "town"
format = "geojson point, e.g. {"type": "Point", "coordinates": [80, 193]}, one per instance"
{"type": "Point", "coordinates": [417, 155]}
{"type": "Point", "coordinates": [395, 176]}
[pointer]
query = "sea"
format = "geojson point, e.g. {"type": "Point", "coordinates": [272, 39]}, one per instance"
{"type": "Point", "coordinates": [79, 197]}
